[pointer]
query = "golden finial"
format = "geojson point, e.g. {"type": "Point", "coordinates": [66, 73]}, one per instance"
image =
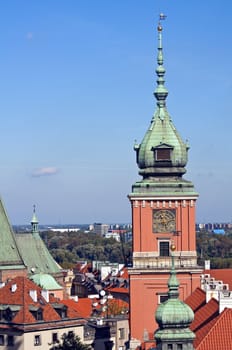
{"type": "Point", "coordinates": [173, 247]}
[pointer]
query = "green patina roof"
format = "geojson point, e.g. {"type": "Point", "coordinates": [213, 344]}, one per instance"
{"type": "Point", "coordinates": [174, 316]}
{"type": "Point", "coordinates": [34, 252]}
{"type": "Point", "coordinates": [162, 175]}
{"type": "Point", "coordinates": [9, 254]}
{"type": "Point", "coordinates": [162, 133]}
{"type": "Point", "coordinates": [45, 281]}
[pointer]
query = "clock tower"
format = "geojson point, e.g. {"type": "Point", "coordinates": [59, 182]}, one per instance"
{"type": "Point", "coordinates": [163, 213]}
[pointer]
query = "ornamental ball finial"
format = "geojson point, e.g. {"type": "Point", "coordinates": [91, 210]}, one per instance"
{"type": "Point", "coordinates": [173, 247]}
{"type": "Point", "coordinates": [159, 28]}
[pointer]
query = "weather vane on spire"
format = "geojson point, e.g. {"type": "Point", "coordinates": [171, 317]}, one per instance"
{"type": "Point", "coordinates": [161, 18]}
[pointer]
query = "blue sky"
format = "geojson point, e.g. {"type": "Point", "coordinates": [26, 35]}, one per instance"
{"type": "Point", "coordinates": [76, 85]}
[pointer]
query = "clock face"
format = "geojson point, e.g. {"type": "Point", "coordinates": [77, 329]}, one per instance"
{"type": "Point", "coordinates": [164, 220]}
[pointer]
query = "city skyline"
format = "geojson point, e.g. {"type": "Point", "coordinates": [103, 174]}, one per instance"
{"type": "Point", "coordinates": [77, 82]}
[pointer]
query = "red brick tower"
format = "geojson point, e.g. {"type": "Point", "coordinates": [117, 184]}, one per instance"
{"type": "Point", "coordinates": [163, 211]}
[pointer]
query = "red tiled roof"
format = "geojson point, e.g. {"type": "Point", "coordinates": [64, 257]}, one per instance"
{"type": "Point", "coordinates": [124, 273]}
{"type": "Point", "coordinates": [17, 292]}
{"type": "Point", "coordinates": [196, 299]}
{"type": "Point", "coordinates": [118, 290]}
{"type": "Point", "coordinates": [24, 316]}
{"type": "Point", "coordinates": [205, 314]}
{"type": "Point", "coordinates": [219, 336]}
{"type": "Point", "coordinates": [224, 275]}
{"type": "Point", "coordinates": [203, 331]}
{"type": "Point", "coordinates": [83, 306]}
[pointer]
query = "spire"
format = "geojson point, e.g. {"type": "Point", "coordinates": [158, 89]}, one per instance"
{"type": "Point", "coordinates": [34, 221]}
{"type": "Point", "coordinates": [162, 153]}
{"type": "Point", "coordinates": [160, 92]}
{"type": "Point", "coordinates": [173, 283]}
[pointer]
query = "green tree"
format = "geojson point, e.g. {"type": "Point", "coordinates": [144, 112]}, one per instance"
{"type": "Point", "coordinates": [70, 341]}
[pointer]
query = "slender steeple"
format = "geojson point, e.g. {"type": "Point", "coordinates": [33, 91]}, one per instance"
{"type": "Point", "coordinates": [174, 317]}
{"type": "Point", "coordinates": [163, 211]}
{"type": "Point", "coordinates": [162, 154]}
{"type": "Point", "coordinates": [162, 151]}
{"type": "Point", "coordinates": [34, 222]}
{"type": "Point", "coordinates": [160, 92]}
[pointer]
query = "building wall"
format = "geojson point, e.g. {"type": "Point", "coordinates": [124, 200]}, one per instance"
{"type": "Point", "coordinates": [11, 273]}
{"type": "Point", "coordinates": [145, 292]}
{"type": "Point", "coordinates": [150, 272]}
{"type": "Point", "coordinates": [145, 240]}
{"type": "Point", "coordinates": [26, 341]}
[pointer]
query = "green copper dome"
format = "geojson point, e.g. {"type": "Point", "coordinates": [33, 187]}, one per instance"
{"type": "Point", "coordinates": [174, 316]}
{"type": "Point", "coordinates": [162, 151]}
{"type": "Point", "coordinates": [45, 281]}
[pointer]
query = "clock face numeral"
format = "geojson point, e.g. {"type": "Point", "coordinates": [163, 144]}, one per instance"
{"type": "Point", "coordinates": [164, 220]}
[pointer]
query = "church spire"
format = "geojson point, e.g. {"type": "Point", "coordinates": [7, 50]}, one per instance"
{"type": "Point", "coordinates": [162, 152]}
{"type": "Point", "coordinates": [34, 222]}
{"type": "Point", "coordinates": [160, 92]}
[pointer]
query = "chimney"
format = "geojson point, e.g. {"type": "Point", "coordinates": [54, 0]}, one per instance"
{"type": "Point", "coordinates": [13, 287]}
{"type": "Point", "coordinates": [207, 264]}
{"type": "Point", "coordinates": [45, 295]}
{"type": "Point", "coordinates": [33, 295]}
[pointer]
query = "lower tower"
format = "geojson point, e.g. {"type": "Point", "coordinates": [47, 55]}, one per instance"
{"type": "Point", "coordinates": [163, 212]}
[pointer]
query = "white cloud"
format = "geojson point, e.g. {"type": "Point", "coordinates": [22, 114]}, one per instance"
{"type": "Point", "coordinates": [46, 171]}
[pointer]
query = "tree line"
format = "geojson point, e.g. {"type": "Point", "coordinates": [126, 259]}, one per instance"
{"type": "Point", "coordinates": [68, 248]}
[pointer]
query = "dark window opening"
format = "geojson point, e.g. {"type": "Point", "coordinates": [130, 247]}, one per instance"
{"type": "Point", "coordinates": [2, 339]}
{"type": "Point", "coordinates": [37, 340]}
{"type": "Point", "coordinates": [121, 333]}
{"type": "Point", "coordinates": [10, 340]}
{"type": "Point", "coordinates": [164, 249]}
{"type": "Point", "coordinates": [54, 338]}
{"type": "Point", "coordinates": [163, 154]}
{"type": "Point", "coordinates": [163, 298]}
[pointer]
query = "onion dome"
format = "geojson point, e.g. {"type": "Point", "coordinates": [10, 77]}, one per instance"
{"type": "Point", "coordinates": [162, 152]}
{"type": "Point", "coordinates": [174, 316]}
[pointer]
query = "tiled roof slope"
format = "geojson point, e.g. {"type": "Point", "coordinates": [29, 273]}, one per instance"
{"type": "Point", "coordinates": [224, 275]}
{"type": "Point", "coordinates": [83, 306]}
{"type": "Point", "coordinates": [219, 336]}
{"type": "Point", "coordinates": [9, 253]}
{"type": "Point", "coordinates": [118, 290]}
{"type": "Point", "coordinates": [16, 295]}
{"type": "Point", "coordinates": [203, 331]}
{"type": "Point", "coordinates": [196, 299]}
{"type": "Point", "coordinates": [212, 330]}
{"type": "Point", "coordinates": [35, 254]}
{"type": "Point", "coordinates": [205, 314]}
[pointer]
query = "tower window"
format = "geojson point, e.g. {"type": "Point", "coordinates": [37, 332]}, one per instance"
{"type": "Point", "coordinates": [179, 347]}
{"type": "Point", "coordinates": [164, 248]}
{"type": "Point", "coordinates": [163, 154]}
{"type": "Point", "coordinates": [170, 347]}
{"type": "Point", "coordinates": [162, 298]}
